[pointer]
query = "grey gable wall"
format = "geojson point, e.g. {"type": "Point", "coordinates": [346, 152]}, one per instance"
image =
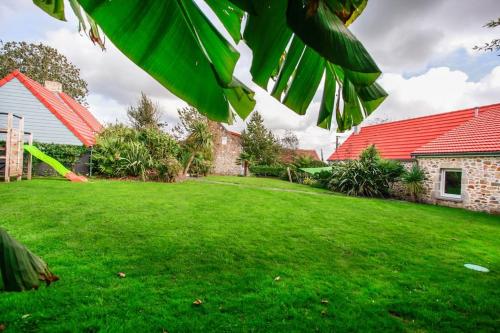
{"type": "Point", "coordinates": [16, 98]}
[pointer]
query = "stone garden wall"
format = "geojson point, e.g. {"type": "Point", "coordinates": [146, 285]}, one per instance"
{"type": "Point", "coordinates": [480, 182]}
{"type": "Point", "coordinates": [227, 149]}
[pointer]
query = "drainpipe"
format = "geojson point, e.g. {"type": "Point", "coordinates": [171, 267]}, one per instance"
{"type": "Point", "coordinates": [90, 161]}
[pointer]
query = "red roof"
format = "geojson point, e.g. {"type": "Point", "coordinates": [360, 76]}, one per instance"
{"type": "Point", "coordinates": [234, 133]}
{"type": "Point", "coordinates": [288, 155]}
{"type": "Point", "coordinates": [85, 114]}
{"type": "Point", "coordinates": [398, 139]}
{"type": "Point", "coordinates": [479, 135]}
{"type": "Point", "coordinates": [74, 116]}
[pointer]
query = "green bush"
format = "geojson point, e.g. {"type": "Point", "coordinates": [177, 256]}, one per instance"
{"type": "Point", "coordinates": [392, 169]}
{"type": "Point", "coordinates": [68, 155]}
{"type": "Point", "coordinates": [159, 144]}
{"type": "Point", "coordinates": [268, 170]}
{"type": "Point", "coordinates": [167, 169]}
{"type": "Point", "coordinates": [121, 151]}
{"type": "Point", "coordinates": [201, 165]}
{"type": "Point", "coordinates": [370, 176]}
{"type": "Point", "coordinates": [322, 178]}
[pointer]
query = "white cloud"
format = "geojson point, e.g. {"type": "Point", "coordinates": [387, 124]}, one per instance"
{"type": "Point", "coordinates": [437, 90]}
{"type": "Point", "coordinates": [406, 35]}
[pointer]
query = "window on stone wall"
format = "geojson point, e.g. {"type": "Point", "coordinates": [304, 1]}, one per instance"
{"type": "Point", "coordinates": [451, 183]}
{"type": "Point", "coordinates": [224, 140]}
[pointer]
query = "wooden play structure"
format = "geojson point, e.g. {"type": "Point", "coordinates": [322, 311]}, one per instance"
{"type": "Point", "coordinates": [12, 138]}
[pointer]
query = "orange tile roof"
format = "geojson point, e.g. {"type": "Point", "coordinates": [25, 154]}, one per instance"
{"type": "Point", "coordinates": [81, 111]}
{"type": "Point", "coordinates": [481, 134]}
{"type": "Point", "coordinates": [399, 139]}
{"type": "Point", "coordinates": [81, 122]}
{"type": "Point", "coordinates": [288, 155]}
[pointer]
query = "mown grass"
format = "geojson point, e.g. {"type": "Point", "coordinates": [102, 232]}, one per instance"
{"type": "Point", "coordinates": [345, 264]}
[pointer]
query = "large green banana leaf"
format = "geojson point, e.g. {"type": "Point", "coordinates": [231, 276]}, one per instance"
{"type": "Point", "coordinates": [19, 268]}
{"type": "Point", "coordinates": [295, 42]}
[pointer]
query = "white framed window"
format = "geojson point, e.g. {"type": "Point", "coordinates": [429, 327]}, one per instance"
{"type": "Point", "coordinates": [224, 140]}
{"type": "Point", "coordinates": [451, 183]}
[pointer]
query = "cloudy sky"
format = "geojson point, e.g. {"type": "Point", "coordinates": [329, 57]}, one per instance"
{"type": "Point", "coordinates": [423, 47]}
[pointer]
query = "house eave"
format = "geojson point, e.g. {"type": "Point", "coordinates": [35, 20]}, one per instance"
{"type": "Point", "coordinates": [456, 154]}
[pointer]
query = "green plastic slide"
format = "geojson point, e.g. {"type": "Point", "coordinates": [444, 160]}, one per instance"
{"type": "Point", "coordinates": [313, 171]}
{"type": "Point", "coordinates": [61, 169]}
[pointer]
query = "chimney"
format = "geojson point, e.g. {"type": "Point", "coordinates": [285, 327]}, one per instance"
{"type": "Point", "coordinates": [356, 129]}
{"type": "Point", "coordinates": [476, 112]}
{"type": "Point", "coordinates": [53, 86]}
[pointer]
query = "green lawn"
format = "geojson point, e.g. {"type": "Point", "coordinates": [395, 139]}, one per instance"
{"type": "Point", "coordinates": [379, 265]}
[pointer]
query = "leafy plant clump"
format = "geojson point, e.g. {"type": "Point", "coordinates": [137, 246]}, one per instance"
{"type": "Point", "coordinates": [149, 153]}
{"type": "Point", "coordinates": [370, 176]}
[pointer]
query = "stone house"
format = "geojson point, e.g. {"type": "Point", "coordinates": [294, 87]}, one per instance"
{"type": "Point", "coordinates": [50, 114]}
{"type": "Point", "coordinates": [459, 152]}
{"type": "Point", "coordinates": [227, 150]}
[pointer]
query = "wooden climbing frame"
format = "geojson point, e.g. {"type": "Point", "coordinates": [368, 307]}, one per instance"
{"type": "Point", "coordinates": [12, 153]}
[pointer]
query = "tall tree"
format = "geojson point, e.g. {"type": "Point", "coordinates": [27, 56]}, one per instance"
{"type": "Point", "coordinates": [259, 145]}
{"type": "Point", "coordinates": [146, 114]}
{"type": "Point", "coordinates": [289, 140]}
{"type": "Point", "coordinates": [188, 117]}
{"type": "Point", "coordinates": [43, 63]}
{"type": "Point", "coordinates": [494, 45]}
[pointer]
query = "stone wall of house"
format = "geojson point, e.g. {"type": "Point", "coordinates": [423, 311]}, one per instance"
{"type": "Point", "coordinates": [227, 149]}
{"type": "Point", "coordinates": [480, 182]}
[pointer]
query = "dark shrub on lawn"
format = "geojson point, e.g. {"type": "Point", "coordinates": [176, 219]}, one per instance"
{"type": "Point", "coordinates": [413, 181]}
{"type": "Point", "coordinates": [370, 176]}
{"type": "Point", "coordinates": [322, 178]}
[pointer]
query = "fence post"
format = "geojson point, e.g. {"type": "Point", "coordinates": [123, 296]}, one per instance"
{"type": "Point", "coordinates": [20, 149]}
{"type": "Point", "coordinates": [30, 158]}
{"type": "Point", "coordinates": [10, 117]}
{"type": "Point", "coordinates": [289, 174]}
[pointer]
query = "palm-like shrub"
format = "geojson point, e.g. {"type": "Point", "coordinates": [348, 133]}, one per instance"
{"type": "Point", "coordinates": [358, 179]}
{"type": "Point", "coordinates": [370, 176]}
{"type": "Point", "coordinates": [201, 165]}
{"type": "Point", "coordinates": [413, 180]}
{"type": "Point", "coordinates": [199, 141]}
{"type": "Point", "coordinates": [135, 160]}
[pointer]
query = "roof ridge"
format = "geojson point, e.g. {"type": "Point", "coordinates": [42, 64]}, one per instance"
{"type": "Point", "coordinates": [66, 99]}
{"type": "Point", "coordinates": [447, 137]}
{"type": "Point", "coordinates": [435, 115]}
